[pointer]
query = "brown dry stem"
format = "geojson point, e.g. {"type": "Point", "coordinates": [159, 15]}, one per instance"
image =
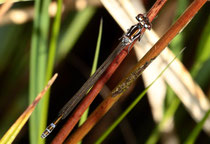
{"type": "Point", "coordinates": [154, 52]}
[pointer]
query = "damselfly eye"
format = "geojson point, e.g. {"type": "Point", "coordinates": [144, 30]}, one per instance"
{"type": "Point", "coordinates": [140, 17]}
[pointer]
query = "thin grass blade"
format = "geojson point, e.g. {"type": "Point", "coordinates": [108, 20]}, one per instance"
{"type": "Point", "coordinates": [38, 65]}
{"type": "Point", "coordinates": [194, 134]}
{"type": "Point", "coordinates": [178, 42]}
{"type": "Point", "coordinates": [202, 56]}
{"type": "Point", "coordinates": [133, 104]}
{"type": "Point", "coordinates": [33, 71]}
{"type": "Point", "coordinates": [154, 137]}
{"type": "Point", "coordinates": [94, 67]}
{"type": "Point", "coordinates": [50, 62]}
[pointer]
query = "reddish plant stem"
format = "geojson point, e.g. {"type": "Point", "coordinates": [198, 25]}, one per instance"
{"type": "Point", "coordinates": [74, 118]}
{"type": "Point", "coordinates": [101, 110]}
{"type": "Point", "coordinates": [152, 13]}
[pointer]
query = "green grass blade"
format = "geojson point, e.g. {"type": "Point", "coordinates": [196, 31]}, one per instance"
{"type": "Point", "coordinates": [95, 62]}
{"type": "Point", "coordinates": [33, 71]}
{"type": "Point", "coordinates": [153, 138]}
{"type": "Point", "coordinates": [178, 42]}
{"type": "Point", "coordinates": [94, 67]}
{"type": "Point", "coordinates": [50, 64]}
{"type": "Point", "coordinates": [42, 63]}
{"type": "Point", "coordinates": [38, 64]}
{"type": "Point", "coordinates": [202, 52]}
{"type": "Point", "coordinates": [194, 134]}
{"type": "Point", "coordinates": [130, 107]}
{"type": "Point", "coordinates": [74, 30]}
{"type": "Point", "coordinates": [203, 76]}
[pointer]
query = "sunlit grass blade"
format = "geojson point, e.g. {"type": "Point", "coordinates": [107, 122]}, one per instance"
{"type": "Point", "coordinates": [194, 134]}
{"type": "Point", "coordinates": [20, 122]}
{"type": "Point", "coordinates": [130, 107]}
{"type": "Point", "coordinates": [50, 63]}
{"type": "Point", "coordinates": [74, 30]}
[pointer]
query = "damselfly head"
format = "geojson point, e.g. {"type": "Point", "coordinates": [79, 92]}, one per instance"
{"type": "Point", "coordinates": [144, 21]}
{"type": "Point", "coordinates": [140, 17]}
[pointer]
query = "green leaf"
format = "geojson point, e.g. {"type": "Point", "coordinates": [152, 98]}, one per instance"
{"type": "Point", "coordinates": [202, 53]}
{"type": "Point", "coordinates": [194, 134]}
{"type": "Point", "coordinates": [33, 72]}
{"type": "Point", "coordinates": [178, 42]}
{"type": "Point", "coordinates": [154, 137]}
{"type": "Point", "coordinates": [38, 65]}
{"type": "Point", "coordinates": [50, 64]}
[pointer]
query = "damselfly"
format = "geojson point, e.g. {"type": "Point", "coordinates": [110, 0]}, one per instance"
{"type": "Point", "coordinates": [127, 39]}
